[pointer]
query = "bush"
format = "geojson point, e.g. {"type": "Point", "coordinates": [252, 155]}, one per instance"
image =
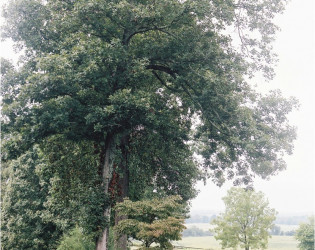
{"type": "Point", "coordinates": [76, 240]}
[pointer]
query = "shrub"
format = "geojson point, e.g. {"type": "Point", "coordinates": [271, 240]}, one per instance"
{"type": "Point", "coordinates": [75, 239]}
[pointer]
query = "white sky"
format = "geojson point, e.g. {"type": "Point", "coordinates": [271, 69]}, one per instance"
{"type": "Point", "coordinates": [291, 191]}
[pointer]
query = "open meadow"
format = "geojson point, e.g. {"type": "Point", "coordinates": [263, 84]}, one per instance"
{"type": "Point", "coordinates": [209, 243]}
{"type": "Point", "coordinates": [207, 226]}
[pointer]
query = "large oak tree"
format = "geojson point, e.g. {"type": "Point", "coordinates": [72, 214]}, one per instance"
{"type": "Point", "coordinates": [121, 74]}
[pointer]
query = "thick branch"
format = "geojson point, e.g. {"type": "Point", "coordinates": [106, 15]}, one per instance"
{"type": "Point", "coordinates": [164, 83]}
{"type": "Point", "coordinates": [163, 68]}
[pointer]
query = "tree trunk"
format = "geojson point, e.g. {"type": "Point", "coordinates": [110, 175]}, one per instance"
{"type": "Point", "coordinates": [246, 242]}
{"type": "Point", "coordinates": [121, 243]}
{"type": "Point", "coordinates": [107, 164]}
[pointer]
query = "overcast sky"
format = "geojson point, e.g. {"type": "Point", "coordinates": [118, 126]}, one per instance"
{"type": "Point", "coordinates": [292, 190]}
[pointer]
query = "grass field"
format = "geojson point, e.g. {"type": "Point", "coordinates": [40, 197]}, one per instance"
{"type": "Point", "coordinates": [207, 226]}
{"type": "Point", "coordinates": [208, 242]}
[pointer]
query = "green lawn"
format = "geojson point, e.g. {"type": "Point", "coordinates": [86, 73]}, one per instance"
{"type": "Point", "coordinates": [276, 242]}
{"type": "Point", "coordinates": [207, 226]}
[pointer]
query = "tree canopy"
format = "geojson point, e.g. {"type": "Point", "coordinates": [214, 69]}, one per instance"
{"type": "Point", "coordinates": [145, 84]}
{"type": "Point", "coordinates": [246, 220]}
{"type": "Point", "coordinates": [97, 68]}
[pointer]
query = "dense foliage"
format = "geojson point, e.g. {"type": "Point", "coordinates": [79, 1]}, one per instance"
{"type": "Point", "coordinates": [46, 195]}
{"type": "Point", "coordinates": [246, 220]}
{"type": "Point", "coordinates": [100, 68]}
{"type": "Point", "coordinates": [305, 235]}
{"type": "Point", "coordinates": [118, 95]}
{"type": "Point", "coordinates": [24, 222]}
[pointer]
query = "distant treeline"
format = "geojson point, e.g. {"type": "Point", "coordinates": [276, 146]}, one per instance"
{"type": "Point", "coordinates": [286, 220]}
{"type": "Point", "coordinates": [276, 230]}
{"type": "Point", "coordinates": [200, 219]}
{"type": "Point", "coordinates": [196, 232]}
{"type": "Point", "coordinates": [291, 220]}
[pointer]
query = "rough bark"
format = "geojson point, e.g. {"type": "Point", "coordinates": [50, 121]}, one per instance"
{"type": "Point", "coordinates": [106, 170]}
{"type": "Point", "coordinates": [121, 243]}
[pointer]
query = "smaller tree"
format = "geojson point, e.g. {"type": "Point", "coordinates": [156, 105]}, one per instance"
{"type": "Point", "coordinates": [246, 220]}
{"type": "Point", "coordinates": [305, 235]}
{"type": "Point", "coordinates": [152, 221]}
{"type": "Point", "coordinates": [25, 191]}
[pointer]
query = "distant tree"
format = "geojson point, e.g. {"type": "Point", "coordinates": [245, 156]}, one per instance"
{"type": "Point", "coordinates": [290, 233]}
{"type": "Point", "coordinates": [275, 230]}
{"type": "Point", "coordinates": [152, 220]}
{"type": "Point", "coordinates": [305, 235]}
{"type": "Point", "coordinates": [246, 221]}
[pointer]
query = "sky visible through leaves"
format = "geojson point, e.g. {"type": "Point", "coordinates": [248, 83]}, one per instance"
{"type": "Point", "coordinates": [292, 191]}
